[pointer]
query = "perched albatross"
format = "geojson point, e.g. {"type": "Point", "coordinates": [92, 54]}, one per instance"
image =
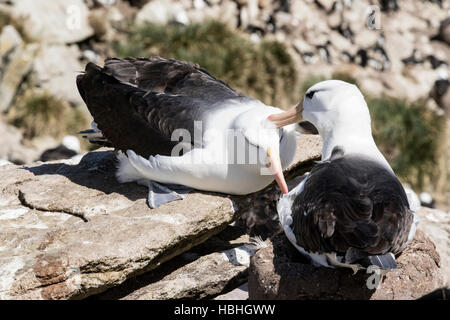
{"type": "Point", "coordinates": [350, 210]}
{"type": "Point", "coordinates": [177, 124]}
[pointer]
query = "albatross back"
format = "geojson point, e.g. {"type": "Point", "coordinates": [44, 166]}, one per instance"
{"type": "Point", "coordinates": [146, 99]}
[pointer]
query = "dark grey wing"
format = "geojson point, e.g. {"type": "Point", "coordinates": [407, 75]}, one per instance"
{"type": "Point", "coordinates": [351, 202]}
{"type": "Point", "coordinates": [137, 103]}
{"type": "Point", "coordinates": [170, 76]}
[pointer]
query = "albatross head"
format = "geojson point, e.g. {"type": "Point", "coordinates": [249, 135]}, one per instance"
{"type": "Point", "coordinates": [327, 105]}
{"type": "Point", "coordinates": [275, 147]}
{"type": "Point", "coordinates": [339, 112]}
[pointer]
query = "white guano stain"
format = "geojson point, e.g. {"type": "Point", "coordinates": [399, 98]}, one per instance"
{"type": "Point", "coordinates": [173, 218]}
{"type": "Point", "coordinates": [239, 256]}
{"type": "Point", "coordinates": [8, 273]}
{"type": "Point", "coordinates": [12, 213]}
{"type": "Point", "coordinates": [37, 225]}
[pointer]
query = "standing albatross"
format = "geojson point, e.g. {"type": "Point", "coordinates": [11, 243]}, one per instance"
{"type": "Point", "coordinates": [177, 124]}
{"type": "Point", "coordinates": [350, 210]}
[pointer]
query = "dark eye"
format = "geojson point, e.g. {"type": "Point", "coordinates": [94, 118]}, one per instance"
{"type": "Point", "coordinates": [310, 94]}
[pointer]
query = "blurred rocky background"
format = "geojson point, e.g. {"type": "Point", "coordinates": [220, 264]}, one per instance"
{"type": "Point", "coordinates": [397, 52]}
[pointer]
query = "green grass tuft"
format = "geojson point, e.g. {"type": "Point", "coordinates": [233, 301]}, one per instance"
{"type": "Point", "coordinates": [409, 135]}
{"type": "Point", "coordinates": [39, 114]}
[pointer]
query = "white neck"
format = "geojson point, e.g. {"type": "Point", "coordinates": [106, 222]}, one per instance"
{"type": "Point", "coordinates": [353, 142]}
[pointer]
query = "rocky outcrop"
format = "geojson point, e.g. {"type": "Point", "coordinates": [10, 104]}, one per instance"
{"type": "Point", "coordinates": [281, 272]}
{"type": "Point", "coordinates": [12, 148]}
{"type": "Point", "coordinates": [16, 60]}
{"type": "Point", "coordinates": [436, 225]}
{"type": "Point", "coordinates": [444, 31]}
{"type": "Point", "coordinates": [54, 70]}
{"type": "Point", "coordinates": [53, 21]}
{"type": "Point", "coordinates": [162, 12]}
{"type": "Point", "coordinates": [240, 293]}
{"type": "Point", "coordinates": [71, 230]}
{"type": "Point", "coordinates": [218, 264]}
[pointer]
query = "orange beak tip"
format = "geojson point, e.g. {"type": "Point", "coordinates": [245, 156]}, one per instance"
{"type": "Point", "coordinates": [279, 178]}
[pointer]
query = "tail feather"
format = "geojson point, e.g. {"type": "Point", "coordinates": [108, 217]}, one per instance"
{"type": "Point", "coordinates": [126, 172]}
{"type": "Point", "coordinates": [385, 261]}
{"type": "Point", "coordinates": [94, 135]}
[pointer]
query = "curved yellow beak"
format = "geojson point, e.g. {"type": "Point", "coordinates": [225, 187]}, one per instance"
{"type": "Point", "coordinates": [292, 115]}
{"type": "Point", "coordinates": [277, 170]}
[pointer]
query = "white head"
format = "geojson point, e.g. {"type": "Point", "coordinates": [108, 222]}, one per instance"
{"type": "Point", "coordinates": [335, 105]}
{"type": "Point", "coordinates": [339, 112]}
{"type": "Point", "coordinates": [267, 141]}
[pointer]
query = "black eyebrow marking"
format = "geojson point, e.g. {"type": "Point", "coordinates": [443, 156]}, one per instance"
{"type": "Point", "coordinates": [311, 93]}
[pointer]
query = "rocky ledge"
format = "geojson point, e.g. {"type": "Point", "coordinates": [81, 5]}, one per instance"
{"type": "Point", "coordinates": [70, 230]}
{"type": "Point", "coordinates": [280, 272]}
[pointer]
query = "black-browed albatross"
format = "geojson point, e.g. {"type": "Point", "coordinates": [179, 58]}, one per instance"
{"type": "Point", "coordinates": [350, 210]}
{"type": "Point", "coordinates": [139, 106]}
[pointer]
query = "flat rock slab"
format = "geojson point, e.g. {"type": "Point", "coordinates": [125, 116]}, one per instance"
{"type": "Point", "coordinates": [240, 293]}
{"type": "Point", "coordinates": [436, 224]}
{"type": "Point", "coordinates": [207, 270]}
{"type": "Point", "coordinates": [280, 272]}
{"type": "Point", "coordinates": [71, 230]}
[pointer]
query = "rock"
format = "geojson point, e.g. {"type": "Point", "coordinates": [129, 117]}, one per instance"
{"type": "Point", "coordinates": [302, 46]}
{"type": "Point", "coordinates": [55, 69]}
{"type": "Point", "coordinates": [53, 21]}
{"type": "Point", "coordinates": [5, 14]}
{"type": "Point", "coordinates": [341, 43]}
{"type": "Point", "coordinates": [398, 46]}
{"type": "Point", "coordinates": [12, 148]}
{"type": "Point", "coordinates": [226, 12]}
{"type": "Point", "coordinates": [400, 86]}
{"type": "Point", "coordinates": [441, 94]}
{"type": "Point", "coordinates": [309, 149]}
{"type": "Point", "coordinates": [203, 272]}
{"type": "Point", "coordinates": [281, 272]}
{"type": "Point", "coordinates": [69, 231]}
{"type": "Point", "coordinates": [240, 293]}
{"type": "Point", "coordinates": [16, 60]}
{"type": "Point", "coordinates": [326, 5]}
{"type": "Point", "coordinates": [444, 31]}
{"type": "Point", "coordinates": [356, 16]}
{"type": "Point", "coordinates": [366, 38]}
{"type": "Point", "coordinates": [334, 20]}
{"type": "Point", "coordinates": [310, 19]}
{"type": "Point", "coordinates": [253, 10]}
{"type": "Point", "coordinates": [161, 12]}
{"type": "Point", "coordinates": [422, 80]}
{"type": "Point", "coordinates": [436, 224]}
{"type": "Point", "coordinates": [371, 86]}
{"type": "Point", "coordinates": [403, 22]}
{"type": "Point", "coordinates": [4, 162]}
